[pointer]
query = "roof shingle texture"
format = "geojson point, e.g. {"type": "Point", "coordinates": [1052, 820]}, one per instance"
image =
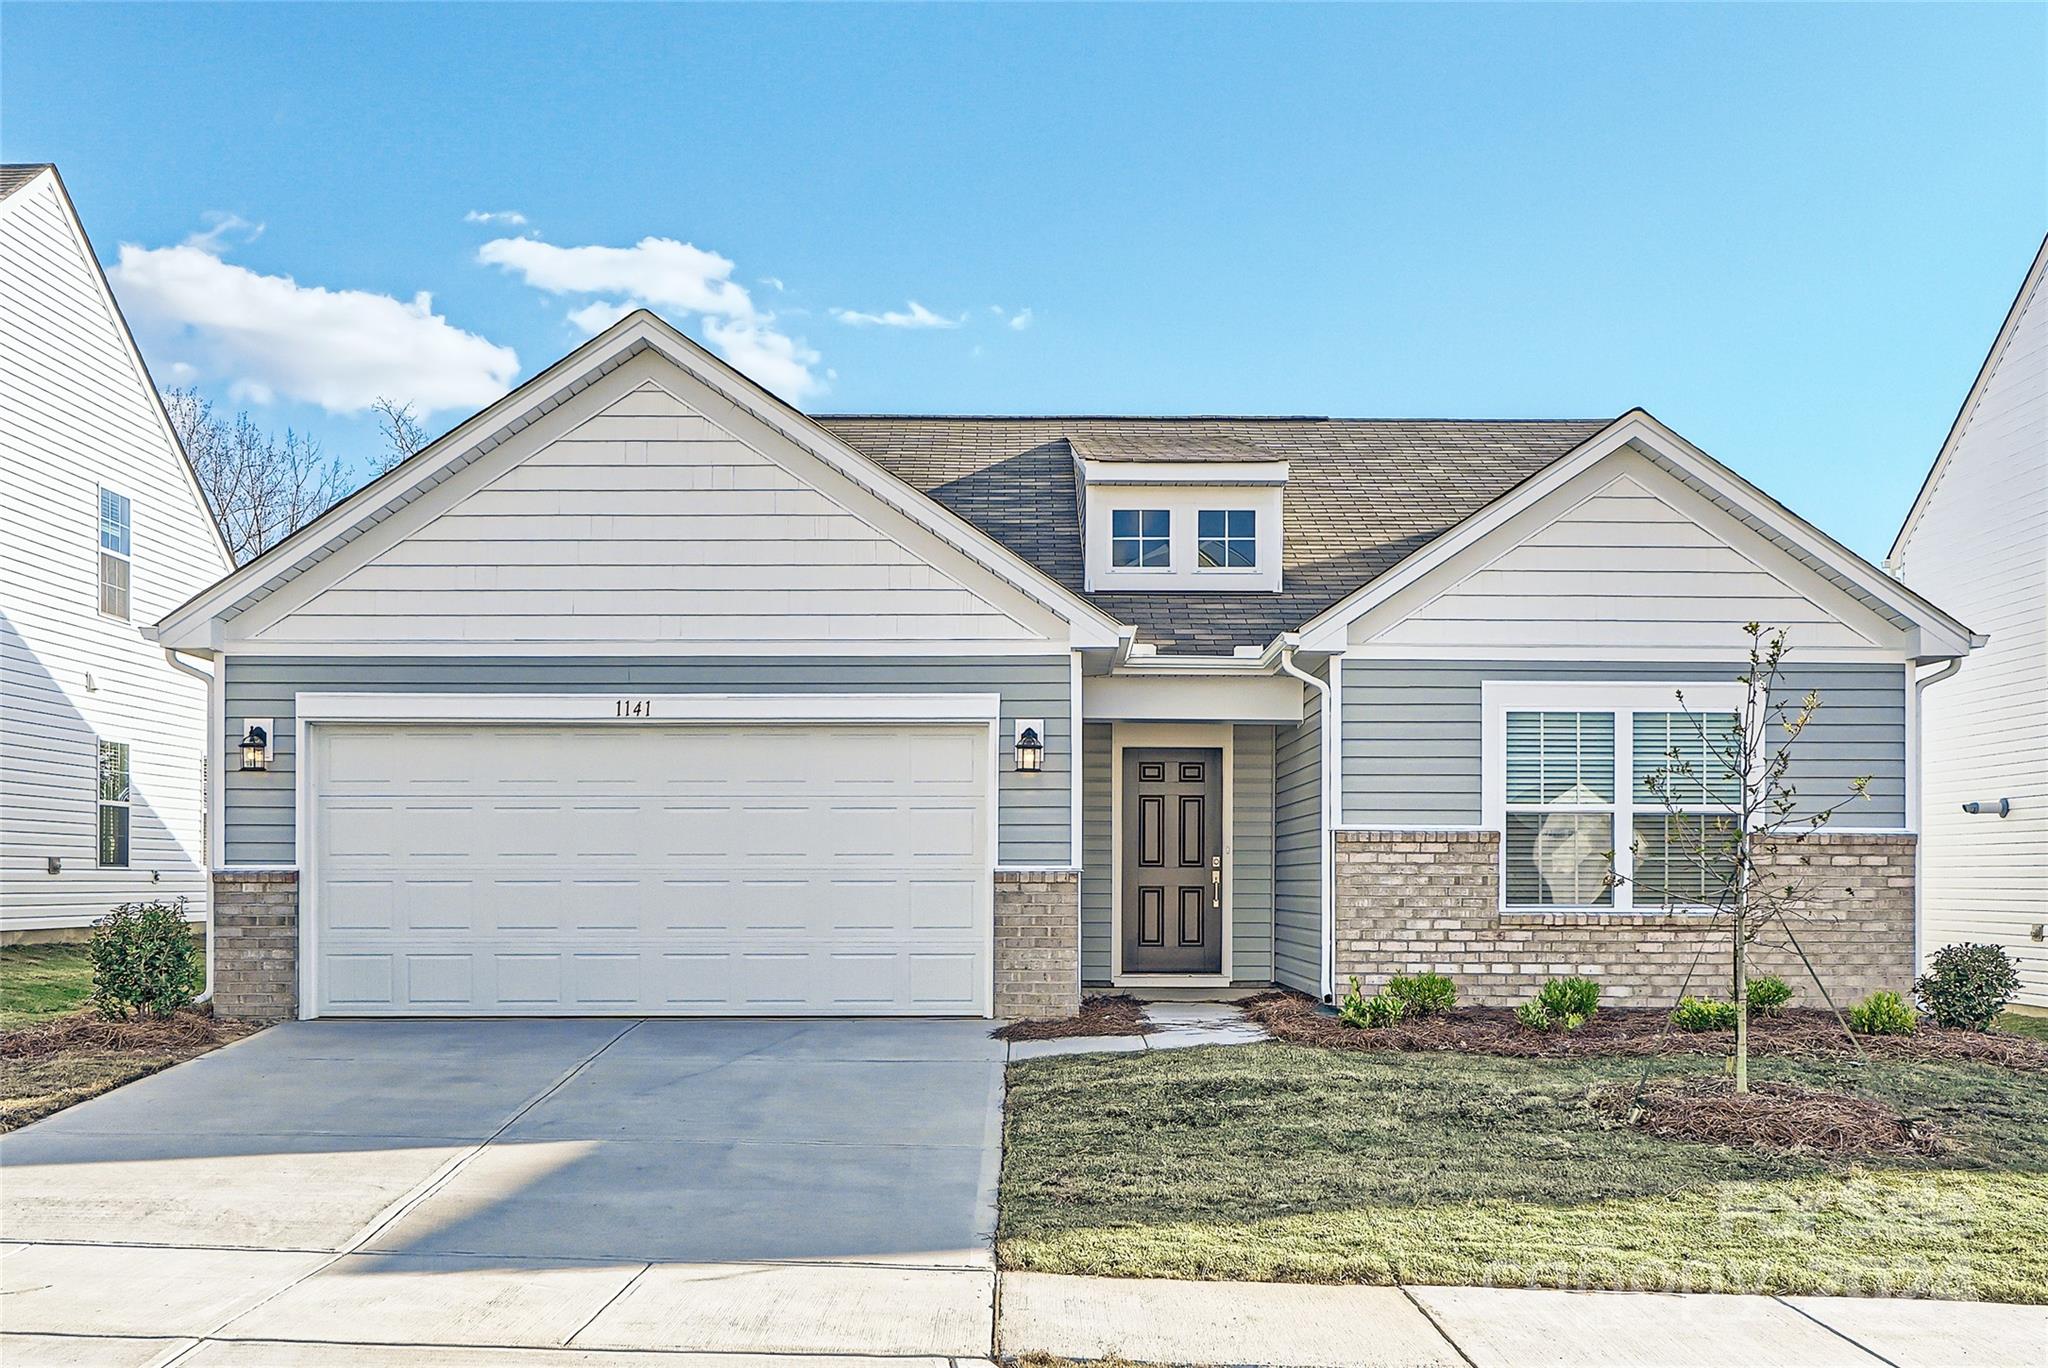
{"type": "Point", "coordinates": [14, 175]}
{"type": "Point", "coordinates": [1362, 494]}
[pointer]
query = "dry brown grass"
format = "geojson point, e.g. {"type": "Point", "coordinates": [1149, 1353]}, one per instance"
{"type": "Point", "coordinates": [1108, 1014]}
{"type": "Point", "coordinates": [1634, 1031]}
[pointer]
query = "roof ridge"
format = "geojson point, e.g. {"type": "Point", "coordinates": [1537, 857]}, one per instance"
{"type": "Point", "coordinates": [1168, 418]}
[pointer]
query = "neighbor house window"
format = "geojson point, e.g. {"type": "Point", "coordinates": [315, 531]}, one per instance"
{"type": "Point", "coordinates": [115, 560]}
{"type": "Point", "coordinates": [114, 792]}
{"type": "Point", "coordinates": [1227, 539]}
{"type": "Point", "coordinates": [1616, 807]}
{"type": "Point", "coordinates": [1139, 538]}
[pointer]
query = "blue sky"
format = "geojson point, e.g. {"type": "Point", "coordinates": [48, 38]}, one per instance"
{"type": "Point", "coordinates": [1788, 231]}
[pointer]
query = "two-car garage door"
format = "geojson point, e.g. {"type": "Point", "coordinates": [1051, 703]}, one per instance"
{"type": "Point", "coordinates": [731, 869]}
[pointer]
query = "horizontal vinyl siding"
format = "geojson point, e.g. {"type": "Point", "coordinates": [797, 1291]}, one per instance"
{"type": "Point", "coordinates": [1297, 854]}
{"type": "Point", "coordinates": [76, 414]}
{"type": "Point", "coordinates": [1098, 853]}
{"type": "Point", "coordinates": [1251, 855]}
{"type": "Point", "coordinates": [1034, 816]}
{"type": "Point", "coordinates": [1980, 550]}
{"type": "Point", "coordinates": [1412, 734]}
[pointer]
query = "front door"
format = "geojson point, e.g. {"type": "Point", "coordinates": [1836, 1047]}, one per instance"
{"type": "Point", "coordinates": [1173, 861]}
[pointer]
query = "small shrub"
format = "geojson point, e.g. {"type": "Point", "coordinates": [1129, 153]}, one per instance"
{"type": "Point", "coordinates": [1561, 1005]}
{"type": "Point", "coordinates": [1967, 986]}
{"type": "Point", "coordinates": [144, 960]}
{"type": "Point", "coordinates": [1703, 1014]}
{"type": "Point", "coordinates": [1365, 1012]}
{"type": "Point", "coordinates": [1882, 1014]}
{"type": "Point", "coordinates": [1423, 994]}
{"type": "Point", "coordinates": [1768, 995]}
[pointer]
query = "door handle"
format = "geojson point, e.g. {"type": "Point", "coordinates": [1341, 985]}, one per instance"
{"type": "Point", "coordinates": [1215, 881]}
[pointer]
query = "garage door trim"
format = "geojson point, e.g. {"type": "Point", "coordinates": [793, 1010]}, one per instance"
{"type": "Point", "coordinates": [625, 709]}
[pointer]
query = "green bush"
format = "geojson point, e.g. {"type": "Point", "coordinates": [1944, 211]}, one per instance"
{"type": "Point", "coordinates": [1561, 1005]}
{"type": "Point", "coordinates": [144, 959]}
{"type": "Point", "coordinates": [1967, 986]}
{"type": "Point", "coordinates": [1703, 1014]}
{"type": "Point", "coordinates": [1882, 1014]}
{"type": "Point", "coordinates": [1364, 1012]}
{"type": "Point", "coordinates": [1423, 994]}
{"type": "Point", "coordinates": [1768, 995]}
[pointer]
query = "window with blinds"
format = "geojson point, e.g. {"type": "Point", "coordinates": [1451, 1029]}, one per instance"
{"type": "Point", "coordinates": [116, 556]}
{"type": "Point", "coordinates": [1665, 784]}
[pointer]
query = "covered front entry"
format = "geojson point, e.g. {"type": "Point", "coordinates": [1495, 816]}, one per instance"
{"type": "Point", "coordinates": [1172, 869]}
{"type": "Point", "coordinates": [733, 868]}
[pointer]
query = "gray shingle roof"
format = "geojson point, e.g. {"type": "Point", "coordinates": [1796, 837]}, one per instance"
{"type": "Point", "coordinates": [14, 175]}
{"type": "Point", "coordinates": [1362, 494]}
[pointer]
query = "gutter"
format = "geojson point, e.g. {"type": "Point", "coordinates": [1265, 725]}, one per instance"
{"type": "Point", "coordinates": [1326, 854]}
{"type": "Point", "coordinates": [205, 839]}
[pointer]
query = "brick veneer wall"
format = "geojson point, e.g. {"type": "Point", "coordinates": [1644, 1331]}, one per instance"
{"type": "Point", "coordinates": [1038, 944]}
{"type": "Point", "coordinates": [256, 945]}
{"type": "Point", "coordinates": [1413, 902]}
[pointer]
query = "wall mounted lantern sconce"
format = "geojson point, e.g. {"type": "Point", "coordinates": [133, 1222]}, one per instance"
{"type": "Point", "coordinates": [1030, 746]}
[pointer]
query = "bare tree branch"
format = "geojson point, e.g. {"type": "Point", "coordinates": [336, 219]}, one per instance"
{"type": "Point", "coordinates": [261, 488]}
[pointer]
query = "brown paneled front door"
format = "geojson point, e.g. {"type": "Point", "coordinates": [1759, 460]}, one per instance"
{"type": "Point", "coordinates": [1173, 861]}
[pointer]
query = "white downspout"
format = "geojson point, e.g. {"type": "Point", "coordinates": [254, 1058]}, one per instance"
{"type": "Point", "coordinates": [1326, 855]}
{"type": "Point", "coordinates": [1916, 799]}
{"type": "Point", "coordinates": [206, 806]}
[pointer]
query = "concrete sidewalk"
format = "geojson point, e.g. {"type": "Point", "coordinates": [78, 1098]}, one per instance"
{"type": "Point", "coordinates": [1293, 1325]}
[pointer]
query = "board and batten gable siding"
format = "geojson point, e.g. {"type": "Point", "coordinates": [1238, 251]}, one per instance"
{"type": "Point", "coordinates": [1034, 816]}
{"type": "Point", "coordinates": [645, 522]}
{"type": "Point", "coordinates": [1979, 548]}
{"type": "Point", "coordinates": [1412, 749]}
{"type": "Point", "coordinates": [1299, 838]}
{"type": "Point", "coordinates": [1625, 558]}
{"type": "Point", "coordinates": [76, 414]}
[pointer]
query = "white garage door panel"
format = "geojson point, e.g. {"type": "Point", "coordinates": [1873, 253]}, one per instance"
{"type": "Point", "coordinates": [510, 870]}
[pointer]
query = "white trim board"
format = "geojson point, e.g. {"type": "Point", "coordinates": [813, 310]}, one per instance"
{"type": "Point", "coordinates": [667, 708]}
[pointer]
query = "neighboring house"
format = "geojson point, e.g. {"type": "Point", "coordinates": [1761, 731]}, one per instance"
{"type": "Point", "coordinates": [102, 531]}
{"type": "Point", "coordinates": [642, 692]}
{"type": "Point", "coordinates": [1976, 539]}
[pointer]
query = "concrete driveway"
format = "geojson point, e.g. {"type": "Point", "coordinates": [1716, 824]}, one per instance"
{"type": "Point", "coordinates": [768, 1186]}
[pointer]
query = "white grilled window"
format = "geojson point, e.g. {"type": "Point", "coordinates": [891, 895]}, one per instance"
{"type": "Point", "coordinates": [116, 554]}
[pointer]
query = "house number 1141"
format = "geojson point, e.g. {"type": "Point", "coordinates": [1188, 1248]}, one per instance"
{"type": "Point", "coordinates": [635, 707]}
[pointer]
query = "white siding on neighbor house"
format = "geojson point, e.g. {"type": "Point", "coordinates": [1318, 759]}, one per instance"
{"type": "Point", "coordinates": [76, 413]}
{"type": "Point", "coordinates": [645, 523]}
{"type": "Point", "coordinates": [1034, 815]}
{"type": "Point", "coordinates": [1299, 839]}
{"type": "Point", "coordinates": [1979, 548]}
{"type": "Point", "coordinates": [1412, 753]}
{"type": "Point", "coordinates": [1623, 557]}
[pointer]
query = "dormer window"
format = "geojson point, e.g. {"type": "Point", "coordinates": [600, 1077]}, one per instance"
{"type": "Point", "coordinates": [1141, 539]}
{"type": "Point", "coordinates": [1227, 539]}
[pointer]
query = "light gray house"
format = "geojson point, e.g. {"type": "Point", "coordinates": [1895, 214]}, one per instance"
{"type": "Point", "coordinates": [642, 692]}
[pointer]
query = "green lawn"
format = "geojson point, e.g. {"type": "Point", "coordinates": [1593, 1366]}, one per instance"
{"type": "Point", "coordinates": [1285, 1162]}
{"type": "Point", "coordinates": [41, 981]}
{"type": "Point", "coordinates": [2027, 1025]}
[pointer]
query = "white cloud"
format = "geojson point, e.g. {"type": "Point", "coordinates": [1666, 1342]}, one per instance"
{"type": "Point", "coordinates": [916, 316]}
{"type": "Point", "coordinates": [1020, 320]}
{"type": "Point", "coordinates": [220, 228]}
{"type": "Point", "coordinates": [269, 336]}
{"type": "Point", "coordinates": [677, 277]}
{"type": "Point", "coordinates": [511, 216]}
{"type": "Point", "coordinates": [774, 283]}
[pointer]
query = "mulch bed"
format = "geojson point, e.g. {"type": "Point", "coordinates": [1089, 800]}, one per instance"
{"type": "Point", "coordinates": [81, 1031]}
{"type": "Point", "coordinates": [1109, 1014]}
{"type": "Point", "coordinates": [1632, 1031]}
{"type": "Point", "coordinates": [1779, 1118]}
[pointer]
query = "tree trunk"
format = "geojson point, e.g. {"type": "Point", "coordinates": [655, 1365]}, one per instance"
{"type": "Point", "coordinates": [1741, 1009]}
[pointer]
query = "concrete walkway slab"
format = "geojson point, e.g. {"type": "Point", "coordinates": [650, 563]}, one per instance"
{"type": "Point", "coordinates": [1162, 1321]}
{"type": "Point", "coordinates": [416, 1299]}
{"type": "Point", "coordinates": [245, 1190]}
{"type": "Point", "coordinates": [1936, 1334]}
{"type": "Point", "coordinates": [288, 1354]}
{"type": "Point", "coordinates": [83, 1351]}
{"type": "Point", "coordinates": [799, 1309]}
{"type": "Point", "coordinates": [1536, 1328]}
{"type": "Point", "coordinates": [139, 1290]}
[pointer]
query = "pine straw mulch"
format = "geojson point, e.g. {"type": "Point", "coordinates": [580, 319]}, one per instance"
{"type": "Point", "coordinates": [1633, 1031]}
{"type": "Point", "coordinates": [1108, 1014]}
{"type": "Point", "coordinates": [191, 1029]}
{"type": "Point", "coordinates": [1776, 1118]}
